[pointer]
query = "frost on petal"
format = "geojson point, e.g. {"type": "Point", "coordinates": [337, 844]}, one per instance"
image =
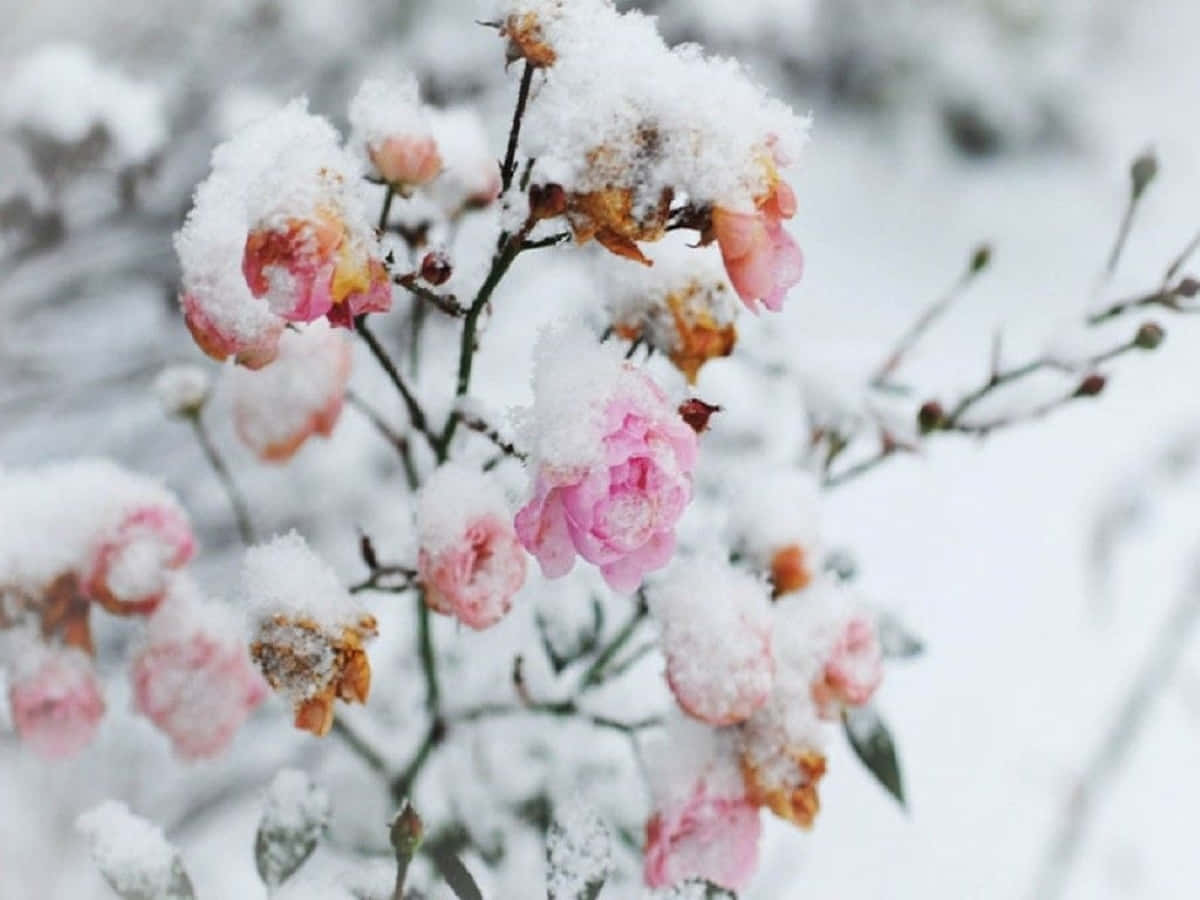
{"type": "Point", "coordinates": [613, 461]}
{"type": "Point", "coordinates": [716, 635]}
{"type": "Point", "coordinates": [54, 699]}
{"type": "Point", "coordinates": [193, 677]}
{"type": "Point", "coordinates": [118, 533]}
{"type": "Point", "coordinates": [133, 855]}
{"type": "Point", "coordinates": [703, 826]}
{"type": "Point", "coordinates": [278, 408]}
{"type": "Point", "coordinates": [470, 561]}
{"type": "Point", "coordinates": [308, 631]}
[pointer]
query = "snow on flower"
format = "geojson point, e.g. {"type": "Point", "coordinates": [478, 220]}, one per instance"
{"type": "Point", "coordinates": [471, 177]}
{"type": "Point", "coordinates": [119, 533]}
{"type": "Point", "coordinates": [627, 127]}
{"type": "Point", "coordinates": [613, 462]}
{"type": "Point", "coordinates": [716, 634]}
{"type": "Point", "coordinates": [192, 677]}
{"type": "Point", "coordinates": [775, 523]}
{"type": "Point", "coordinates": [182, 390]}
{"type": "Point", "coordinates": [682, 306]}
{"type": "Point", "coordinates": [388, 123]}
{"type": "Point", "coordinates": [55, 699]}
{"type": "Point", "coordinates": [276, 409]}
{"type": "Point", "coordinates": [308, 630]}
{"type": "Point", "coordinates": [703, 824]}
{"type": "Point", "coordinates": [277, 232]}
{"type": "Point", "coordinates": [470, 561]}
{"type": "Point", "coordinates": [853, 670]}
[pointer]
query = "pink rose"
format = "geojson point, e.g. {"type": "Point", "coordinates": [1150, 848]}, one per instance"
{"type": "Point", "coordinates": [476, 578]}
{"type": "Point", "coordinates": [469, 560]}
{"type": "Point", "coordinates": [220, 343]}
{"type": "Point", "coordinates": [618, 511]}
{"type": "Point", "coordinates": [56, 703]}
{"type": "Point", "coordinates": [716, 635]}
{"type": "Point", "coordinates": [194, 678]}
{"type": "Point", "coordinates": [709, 836]}
{"type": "Point", "coordinates": [313, 267]}
{"type": "Point", "coordinates": [127, 573]}
{"type": "Point", "coordinates": [761, 258]}
{"type": "Point", "coordinates": [301, 394]}
{"type": "Point", "coordinates": [853, 670]}
{"type": "Point", "coordinates": [406, 161]}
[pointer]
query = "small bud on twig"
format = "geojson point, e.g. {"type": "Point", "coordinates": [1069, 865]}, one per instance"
{"type": "Point", "coordinates": [435, 268]}
{"type": "Point", "coordinates": [930, 416]}
{"type": "Point", "coordinates": [407, 833]}
{"type": "Point", "coordinates": [366, 550]}
{"type": "Point", "coordinates": [1149, 336]}
{"type": "Point", "coordinates": [1091, 386]}
{"type": "Point", "coordinates": [1142, 172]}
{"type": "Point", "coordinates": [1189, 287]}
{"type": "Point", "coordinates": [981, 258]}
{"type": "Point", "coordinates": [697, 413]}
{"type": "Point", "coordinates": [546, 201]}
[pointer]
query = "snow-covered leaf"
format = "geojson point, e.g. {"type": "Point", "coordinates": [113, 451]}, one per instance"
{"type": "Point", "coordinates": [133, 855]}
{"type": "Point", "coordinates": [578, 856]}
{"type": "Point", "coordinates": [873, 744]}
{"type": "Point", "coordinates": [896, 640]}
{"type": "Point", "coordinates": [294, 818]}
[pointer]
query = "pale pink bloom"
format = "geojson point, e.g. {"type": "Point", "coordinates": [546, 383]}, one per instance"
{"type": "Point", "coordinates": [406, 160]}
{"type": "Point", "coordinates": [56, 703]}
{"type": "Point", "coordinates": [853, 670]}
{"type": "Point", "coordinates": [129, 566]}
{"type": "Point", "coordinates": [221, 343]}
{"type": "Point", "coordinates": [301, 394]}
{"type": "Point", "coordinates": [708, 836]}
{"type": "Point", "coordinates": [762, 260]}
{"type": "Point", "coordinates": [476, 577]}
{"type": "Point", "coordinates": [619, 514]}
{"type": "Point", "coordinates": [716, 635]}
{"type": "Point", "coordinates": [194, 678]}
{"type": "Point", "coordinates": [312, 267]}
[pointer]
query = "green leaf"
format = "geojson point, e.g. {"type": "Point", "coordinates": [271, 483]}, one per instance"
{"type": "Point", "coordinates": [456, 876]}
{"type": "Point", "coordinates": [873, 744]}
{"type": "Point", "coordinates": [294, 819]}
{"type": "Point", "coordinates": [896, 640]}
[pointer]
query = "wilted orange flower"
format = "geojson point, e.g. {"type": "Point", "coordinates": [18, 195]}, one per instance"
{"type": "Point", "coordinates": [795, 800]}
{"type": "Point", "coordinates": [314, 666]}
{"type": "Point", "coordinates": [526, 40]}
{"type": "Point", "coordinates": [790, 570]}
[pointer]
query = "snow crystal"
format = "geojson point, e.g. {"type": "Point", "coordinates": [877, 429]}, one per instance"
{"type": "Point", "coordinates": [182, 389]}
{"type": "Point", "coordinates": [133, 854]}
{"type": "Point", "coordinates": [52, 516]}
{"type": "Point", "coordinates": [578, 852]}
{"type": "Point", "coordinates": [275, 408]}
{"type": "Point", "coordinates": [285, 577]}
{"type": "Point", "coordinates": [61, 93]}
{"type": "Point", "coordinates": [451, 499]}
{"type": "Point", "coordinates": [618, 108]}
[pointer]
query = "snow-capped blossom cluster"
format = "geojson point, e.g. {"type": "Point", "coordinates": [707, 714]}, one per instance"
{"type": "Point", "coordinates": [470, 561]}
{"type": "Point", "coordinates": [55, 697]}
{"type": "Point", "coordinates": [716, 635]}
{"type": "Point", "coordinates": [117, 534]}
{"type": "Point", "coordinates": [277, 233]}
{"type": "Point", "coordinates": [61, 95]}
{"type": "Point", "coordinates": [612, 460]}
{"type": "Point", "coordinates": [610, 126]}
{"type": "Point", "coordinates": [703, 824]}
{"type": "Point", "coordinates": [308, 630]}
{"type": "Point", "coordinates": [389, 125]}
{"type": "Point", "coordinates": [683, 305]}
{"type": "Point", "coordinates": [192, 676]}
{"type": "Point", "coordinates": [277, 408]}
{"type": "Point", "coordinates": [775, 524]}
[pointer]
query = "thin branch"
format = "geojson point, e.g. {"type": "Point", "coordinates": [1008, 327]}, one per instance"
{"type": "Point", "coordinates": [595, 674]}
{"type": "Point", "coordinates": [492, 434]}
{"type": "Point", "coordinates": [933, 312]}
{"type": "Point", "coordinates": [386, 210]}
{"type": "Point", "coordinates": [447, 303]}
{"type": "Point", "coordinates": [415, 414]}
{"type": "Point", "coordinates": [509, 166]}
{"type": "Point", "coordinates": [376, 581]}
{"type": "Point", "coordinates": [561, 709]}
{"type": "Point", "coordinates": [361, 746]}
{"type": "Point", "coordinates": [241, 512]}
{"type": "Point", "coordinates": [397, 440]}
{"type": "Point", "coordinates": [551, 241]}
{"type": "Point", "coordinates": [1129, 720]}
{"type": "Point", "coordinates": [1181, 260]}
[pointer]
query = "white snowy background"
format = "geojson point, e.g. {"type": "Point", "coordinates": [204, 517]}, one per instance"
{"type": "Point", "coordinates": [986, 549]}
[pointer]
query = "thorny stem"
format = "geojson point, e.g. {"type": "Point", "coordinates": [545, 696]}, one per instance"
{"type": "Point", "coordinates": [415, 414]}
{"type": "Point", "coordinates": [241, 512]}
{"type": "Point", "coordinates": [493, 435]}
{"type": "Point", "coordinates": [509, 167]}
{"type": "Point", "coordinates": [399, 441]}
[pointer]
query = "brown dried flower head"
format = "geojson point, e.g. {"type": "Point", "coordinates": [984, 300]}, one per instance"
{"type": "Point", "coordinates": [797, 801]}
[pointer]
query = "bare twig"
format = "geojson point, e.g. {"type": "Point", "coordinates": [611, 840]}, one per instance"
{"type": "Point", "coordinates": [241, 512]}
{"type": "Point", "coordinates": [415, 414]}
{"type": "Point", "coordinates": [447, 303]}
{"type": "Point", "coordinates": [492, 434]}
{"type": "Point", "coordinates": [397, 440]}
{"type": "Point", "coordinates": [509, 166]}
